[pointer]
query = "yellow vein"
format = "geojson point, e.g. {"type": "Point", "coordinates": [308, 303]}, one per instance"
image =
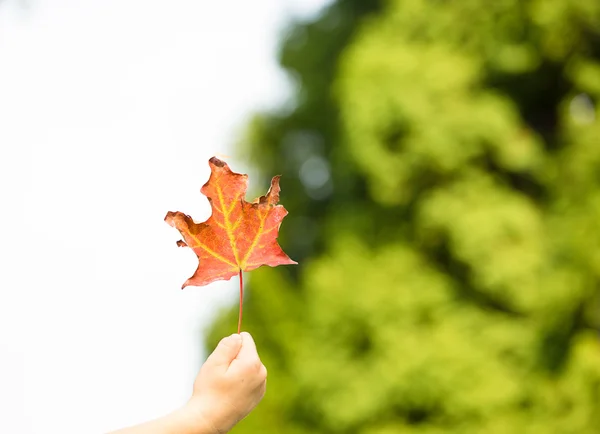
{"type": "Point", "coordinates": [257, 236]}
{"type": "Point", "coordinates": [233, 203]}
{"type": "Point", "coordinates": [210, 251]}
{"type": "Point", "coordinates": [228, 228]}
{"type": "Point", "coordinates": [269, 230]}
{"type": "Point", "coordinates": [221, 225]}
{"type": "Point", "coordinates": [236, 223]}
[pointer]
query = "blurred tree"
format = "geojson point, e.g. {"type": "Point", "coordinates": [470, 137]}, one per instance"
{"type": "Point", "coordinates": [441, 166]}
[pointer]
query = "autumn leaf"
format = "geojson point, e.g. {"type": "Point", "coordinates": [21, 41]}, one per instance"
{"type": "Point", "coordinates": [239, 235]}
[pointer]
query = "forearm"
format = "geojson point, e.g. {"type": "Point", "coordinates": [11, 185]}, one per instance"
{"type": "Point", "coordinates": [182, 421]}
{"type": "Point", "coordinates": [229, 385]}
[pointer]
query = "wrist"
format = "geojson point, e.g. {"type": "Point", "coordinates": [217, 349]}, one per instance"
{"type": "Point", "coordinates": [205, 418]}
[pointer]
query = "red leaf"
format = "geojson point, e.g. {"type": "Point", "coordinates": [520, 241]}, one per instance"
{"type": "Point", "coordinates": [239, 235]}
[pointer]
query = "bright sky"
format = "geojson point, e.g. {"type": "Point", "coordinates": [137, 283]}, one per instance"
{"type": "Point", "coordinates": [109, 111]}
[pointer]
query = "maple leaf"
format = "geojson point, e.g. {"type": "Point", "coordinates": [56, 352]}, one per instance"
{"type": "Point", "coordinates": [239, 235]}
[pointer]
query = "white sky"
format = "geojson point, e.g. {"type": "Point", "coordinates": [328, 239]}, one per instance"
{"type": "Point", "coordinates": [109, 111]}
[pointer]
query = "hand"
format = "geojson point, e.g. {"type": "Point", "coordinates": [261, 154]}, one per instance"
{"type": "Point", "coordinates": [229, 385]}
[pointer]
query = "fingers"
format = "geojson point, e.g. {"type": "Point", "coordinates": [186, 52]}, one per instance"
{"type": "Point", "coordinates": [248, 350]}
{"type": "Point", "coordinates": [260, 390]}
{"type": "Point", "coordinates": [248, 361]}
{"type": "Point", "coordinates": [227, 350]}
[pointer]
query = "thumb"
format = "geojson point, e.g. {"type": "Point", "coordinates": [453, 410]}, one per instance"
{"type": "Point", "coordinates": [227, 350]}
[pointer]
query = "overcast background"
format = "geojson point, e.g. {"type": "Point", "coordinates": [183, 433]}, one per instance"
{"type": "Point", "coordinates": [109, 111]}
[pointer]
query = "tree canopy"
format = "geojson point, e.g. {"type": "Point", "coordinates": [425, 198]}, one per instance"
{"type": "Point", "coordinates": [441, 167]}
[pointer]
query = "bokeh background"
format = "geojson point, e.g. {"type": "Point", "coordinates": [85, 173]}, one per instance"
{"type": "Point", "coordinates": [441, 165]}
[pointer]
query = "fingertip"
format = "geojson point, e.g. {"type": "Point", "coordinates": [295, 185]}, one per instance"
{"type": "Point", "coordinates": [247, 338]}
{"type": "Point", "coordinates": [233, 340]}
{"type": "Point", "coordinates": [248, 345]}
{"type": "Point", "coordinates": [227, 350]}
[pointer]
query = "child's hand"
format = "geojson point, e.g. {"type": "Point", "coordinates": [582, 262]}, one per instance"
{"type": "Point", "coordinates": [230, 384]}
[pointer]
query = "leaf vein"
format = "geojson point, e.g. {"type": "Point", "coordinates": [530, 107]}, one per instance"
{"type": "Point", "coordinates": [228, 228]}
{"type": "Point", "coordinates": [259, 232]}
{"type": "Point", "coordinates": [210, 251]}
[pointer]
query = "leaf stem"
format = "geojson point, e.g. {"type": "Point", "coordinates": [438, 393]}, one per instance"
{"type": "Point", "coordinates": [241, 302]}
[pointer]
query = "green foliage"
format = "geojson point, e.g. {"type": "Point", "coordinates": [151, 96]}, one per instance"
{"type": "Point", "coordinates": [450, 261]}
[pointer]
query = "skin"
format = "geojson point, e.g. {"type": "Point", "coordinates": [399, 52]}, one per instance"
{"type": "Point", "coordinates": [229, 385]}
